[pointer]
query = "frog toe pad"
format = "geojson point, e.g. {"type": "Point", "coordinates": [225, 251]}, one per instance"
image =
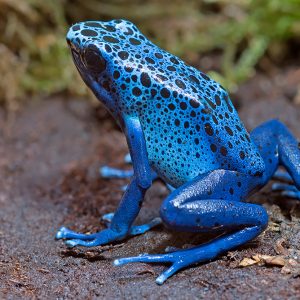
{"type": "Point", "coordinates": [65, 233]}
{"type": "Point", "coordinates": [61, 233]}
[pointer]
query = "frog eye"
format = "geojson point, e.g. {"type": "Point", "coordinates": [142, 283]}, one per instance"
{"type": "Point", "coordinates": [93, 60]}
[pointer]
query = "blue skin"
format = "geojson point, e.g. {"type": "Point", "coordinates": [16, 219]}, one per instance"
{"type": "Point", "coordinates": [181, 126]}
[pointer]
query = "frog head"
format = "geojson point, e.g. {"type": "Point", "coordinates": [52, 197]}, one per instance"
{"type": "Point", "coordinates": [101, 53]}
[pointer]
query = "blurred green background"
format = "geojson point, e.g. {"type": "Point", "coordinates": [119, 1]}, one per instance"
{"type": "Point", "coordinates": [231, 39]}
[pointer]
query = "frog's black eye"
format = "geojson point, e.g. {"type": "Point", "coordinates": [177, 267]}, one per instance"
{"type": "Point", "coordinates": [93, 60]}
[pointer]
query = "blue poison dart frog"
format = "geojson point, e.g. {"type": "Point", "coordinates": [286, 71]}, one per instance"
{"type": "Point", "coordinates": [181, 127]}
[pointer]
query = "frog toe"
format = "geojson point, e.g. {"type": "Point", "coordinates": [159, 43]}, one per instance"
{"type": "Point", "coordinates": [291, 194]}
{"type": "Point", "coordinates": [60, 234]}
{"type": "Point", "coordinates": [137, 229]}
{"type": "Point", "coordinates": [168, 273]}
{"type": "Point", "coordinates": [100, 238]}
{"type": "Point", "coordinates": [170, 187]}
{"type": "Point", "coordinates": [287, 190]}
{"type": "Point", "coordinates": [127, 159]}
{"type": "Point", "coordinates": [174, 260]}
{"type": "Point", "coordinates": [108, 172]}
{"type": "Point", "coordinates": [80, 242]}
{"type": "Point", "coordinates": [65, 233]}
{"type": "Point", "coordinates": [284, 187]}
{"type": "Point", "coordinates": [107, 218]}
{"type": "Point", "coordinates": [140, 229]}
{"type": "Point", "coordinates": [282, 175]}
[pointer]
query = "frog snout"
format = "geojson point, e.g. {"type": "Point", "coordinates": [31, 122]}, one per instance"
{"type": "Point", "coordinates": [71, 35]}
{"type": "Point", "coordinates": [72, 42]}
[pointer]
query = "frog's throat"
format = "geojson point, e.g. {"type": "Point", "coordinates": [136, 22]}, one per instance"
{"type": "Point", "coordinates": [105, 98]}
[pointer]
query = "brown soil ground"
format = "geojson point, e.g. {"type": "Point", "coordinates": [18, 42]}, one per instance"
{"type": "Point", "coordinates": [49, 162]}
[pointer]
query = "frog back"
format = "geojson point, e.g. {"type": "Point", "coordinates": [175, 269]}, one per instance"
{"type": "Point", "coordinates": [186, 137]}
{"type": "Point", "coordinates": [189, 122]}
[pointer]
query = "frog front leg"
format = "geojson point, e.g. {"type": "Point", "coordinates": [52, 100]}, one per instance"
{"type": "Point", "coordinates": [210, 202]}
{"type": "Point", "coordinates": [130, 205]}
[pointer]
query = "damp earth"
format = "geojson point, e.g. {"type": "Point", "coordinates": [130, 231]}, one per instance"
{"type": "Point", "coordinates": [49, 157]}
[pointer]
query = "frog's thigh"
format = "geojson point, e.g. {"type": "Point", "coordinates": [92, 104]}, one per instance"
{"type": "Point", "coordinates": [209, 202]}
{"type": "Point", "coordinates": [212, 200]}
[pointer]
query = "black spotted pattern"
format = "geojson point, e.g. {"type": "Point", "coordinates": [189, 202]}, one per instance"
{"type": "Point", "coordinates": [189, 122]}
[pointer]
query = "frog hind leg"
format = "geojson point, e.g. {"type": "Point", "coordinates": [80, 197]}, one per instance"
{"type": "Point", "coordinates": [211, 202]}
{"type": "Point", "coordinates": [207, 203]}
{"type": "Point", "coordinates": [279, 147]}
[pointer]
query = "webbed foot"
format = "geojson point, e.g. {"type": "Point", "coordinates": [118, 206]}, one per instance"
{"type": "Point", "coordinates": [163, 258]}
{"type": "Point", "coordinates": [177, 259]}
{"type": "Point", "coordinates": [140, 229]}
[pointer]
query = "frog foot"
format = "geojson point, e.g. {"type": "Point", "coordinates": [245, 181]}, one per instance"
{"type": "Point", "coordinates": [287, 190]}
{"type": "Point", "coordinates": [177, 259]}
{"type": "Point", "coordinates": [88, 240]}
{"type": "Point", "coordinates": [103, 237]}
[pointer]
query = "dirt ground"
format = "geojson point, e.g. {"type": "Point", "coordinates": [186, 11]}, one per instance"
{"type": "Point", "coordinates": [49, 162]}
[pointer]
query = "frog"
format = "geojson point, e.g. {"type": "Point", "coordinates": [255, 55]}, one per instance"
{"type": "Point", "coordinates": [180, 126]}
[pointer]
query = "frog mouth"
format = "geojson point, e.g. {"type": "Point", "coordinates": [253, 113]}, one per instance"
{"type": "Point", "coordinates": [75, 54]}
{"type": "Point", "coordinates": [76, 57]}
{"type": "Point", "coordinates": [79, 64]}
